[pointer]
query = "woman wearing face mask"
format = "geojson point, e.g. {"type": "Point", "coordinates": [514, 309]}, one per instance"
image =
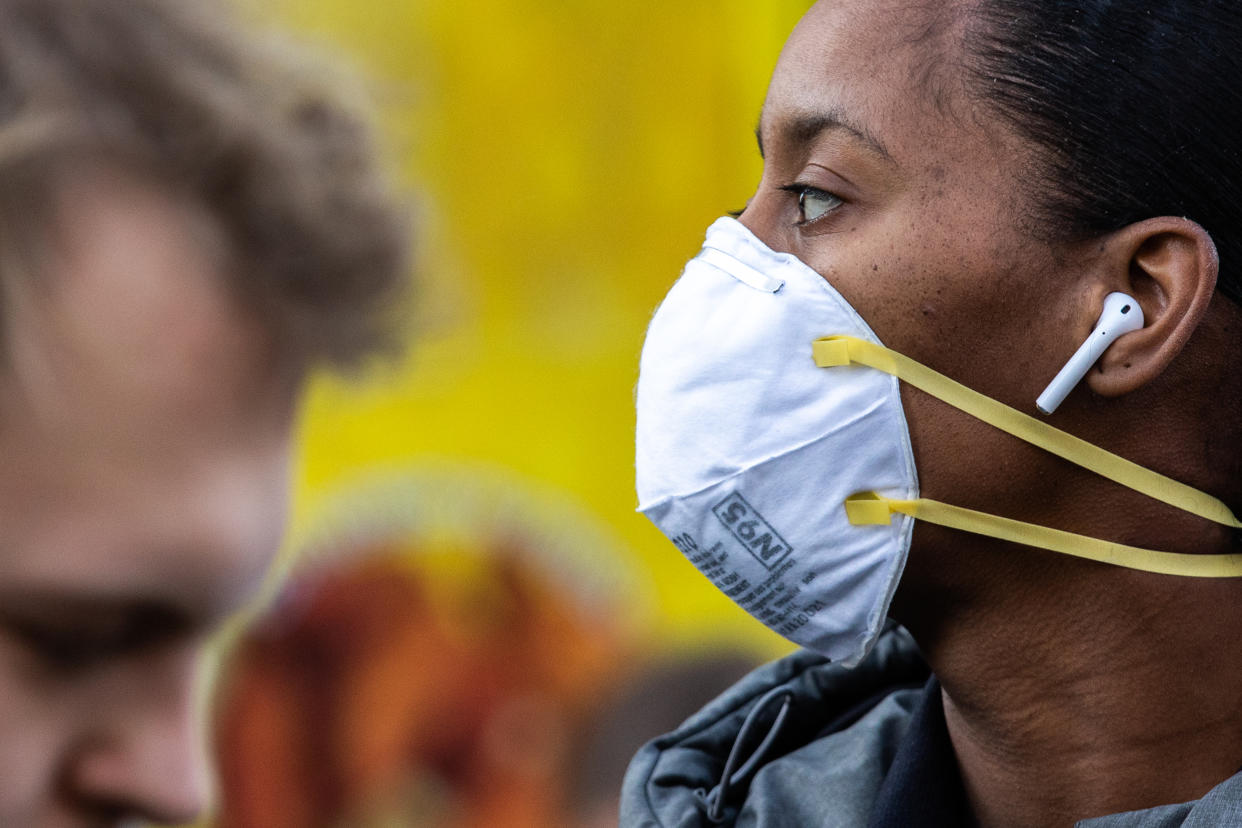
{"type": "Point", "coordinates": [952, 193]}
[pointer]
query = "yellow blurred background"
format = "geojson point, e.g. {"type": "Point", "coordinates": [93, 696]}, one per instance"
{"type": "Point", "coordinates": [565, 159]}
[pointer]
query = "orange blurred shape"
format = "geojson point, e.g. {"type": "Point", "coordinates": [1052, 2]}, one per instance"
{"type": "Point", "coordinates": [375, 695]}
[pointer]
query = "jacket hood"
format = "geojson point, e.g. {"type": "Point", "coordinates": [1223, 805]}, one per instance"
{"type": "Point", "coordinates": [672, 778]}
{"type": "Point", "coordinates": [812, 744]}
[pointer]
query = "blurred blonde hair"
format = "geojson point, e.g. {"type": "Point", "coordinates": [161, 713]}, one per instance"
{"type": "Point", "coordinates": [177, 92]}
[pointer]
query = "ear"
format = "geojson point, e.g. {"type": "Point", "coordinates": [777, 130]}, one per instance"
{"type": "Point", "coordinates": [1169, 265]}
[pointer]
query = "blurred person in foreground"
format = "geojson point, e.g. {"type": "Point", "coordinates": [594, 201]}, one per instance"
{"type": "Point", "coordinates": [968, 192]}
{"type": "Point", "coordinates": [188, 224]}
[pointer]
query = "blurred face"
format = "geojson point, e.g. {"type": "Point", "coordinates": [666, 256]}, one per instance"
{"type": "Point", "coordinates": [883, 176]}
{"type": "Point", "coordinates": [142, 497]}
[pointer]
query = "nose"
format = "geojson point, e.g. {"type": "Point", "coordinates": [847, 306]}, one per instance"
{"type": "Point", "coordinates": [150, 761]}
{"type": "Point", "coordinates": [759, 218]}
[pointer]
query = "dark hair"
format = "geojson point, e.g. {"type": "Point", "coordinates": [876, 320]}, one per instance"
{"type": "Point", "coordinates": [1135, 107]}
{"type": "Point", "coordinates": [282, 160]}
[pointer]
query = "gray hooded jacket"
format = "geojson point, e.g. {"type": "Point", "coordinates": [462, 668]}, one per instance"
{"type": "Point", "coordinates": [807, 744]}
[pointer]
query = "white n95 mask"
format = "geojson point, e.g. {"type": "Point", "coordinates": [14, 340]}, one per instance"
{"type": "Point", "coordinates": [772, 449]}
{"type": "Point", "coordinates": [746, 453]}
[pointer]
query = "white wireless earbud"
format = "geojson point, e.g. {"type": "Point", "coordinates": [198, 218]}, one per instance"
{"type": "Point", "coordinates": [1120, 316]}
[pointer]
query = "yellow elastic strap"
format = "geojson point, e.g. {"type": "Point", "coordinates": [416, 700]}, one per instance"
{"type": "Point", "coordinates": [870, 508]}
{"type": "Point", "coordinates": [844, 350]}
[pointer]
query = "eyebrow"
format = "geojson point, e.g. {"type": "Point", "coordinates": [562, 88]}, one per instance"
{"type": "Point", "coordinates": [806, 128]}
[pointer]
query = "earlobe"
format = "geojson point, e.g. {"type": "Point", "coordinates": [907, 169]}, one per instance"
{"type": "Point", "coordinates": [1170, 266]}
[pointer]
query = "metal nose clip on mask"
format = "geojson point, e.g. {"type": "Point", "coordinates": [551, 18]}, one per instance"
{"type": "Point", "coordinates": [773, 450]}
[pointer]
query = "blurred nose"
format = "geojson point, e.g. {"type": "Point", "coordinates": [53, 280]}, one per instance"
{"type": "Point", "coordinates": [151, 761]}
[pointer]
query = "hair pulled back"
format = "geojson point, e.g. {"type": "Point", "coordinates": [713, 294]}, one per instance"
{"type": "Point", "coordinates": [1135, 107]}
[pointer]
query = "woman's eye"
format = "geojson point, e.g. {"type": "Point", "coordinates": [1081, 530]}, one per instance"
{"type": "Point", "coordinates": [814, 204]}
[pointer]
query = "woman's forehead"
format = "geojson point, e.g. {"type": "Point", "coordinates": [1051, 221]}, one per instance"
{"type": "Point", "coordinates": [888, 69]}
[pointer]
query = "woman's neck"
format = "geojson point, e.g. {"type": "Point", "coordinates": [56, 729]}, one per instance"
{"type": "Point", "coordinates": [1106, 691]}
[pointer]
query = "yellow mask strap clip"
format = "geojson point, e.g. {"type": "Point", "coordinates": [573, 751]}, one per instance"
{"type": "Point", "coordinates": [846, 350]}
{"type": "Point", "coordinates": [869, 508]}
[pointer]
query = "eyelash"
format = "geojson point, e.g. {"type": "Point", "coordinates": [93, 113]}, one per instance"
{"type": "Point", "coordinates": [800, 191]}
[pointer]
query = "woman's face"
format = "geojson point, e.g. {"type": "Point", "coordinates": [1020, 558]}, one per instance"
{"type": "Point", "coordinates": [883, 174]}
